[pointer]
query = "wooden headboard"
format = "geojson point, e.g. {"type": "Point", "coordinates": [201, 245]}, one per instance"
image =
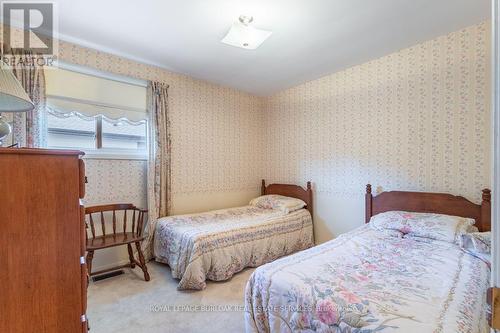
{"type": "Point", "coordinates": [439, 203]}
{"type": "Point", "coordinates": [293, 191]}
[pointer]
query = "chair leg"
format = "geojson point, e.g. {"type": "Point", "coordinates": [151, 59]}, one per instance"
{"type": "Point", "coordinates": [131, 255]}
{"type": "Point", "coordinates": [142, 261]}
{"type": "Point", "coordinates": [90, 256]}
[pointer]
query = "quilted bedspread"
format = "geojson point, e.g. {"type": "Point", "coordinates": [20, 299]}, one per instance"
{"type": "Point", "coordinates": [368, 281]}
{"type": "Point", "coordinates": [215, 245]}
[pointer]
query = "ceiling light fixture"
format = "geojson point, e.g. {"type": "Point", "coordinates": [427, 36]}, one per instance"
{"type": "Point", "coordinates": [244, 35]}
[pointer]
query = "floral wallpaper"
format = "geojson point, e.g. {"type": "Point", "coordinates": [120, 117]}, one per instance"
{"type": "Point", "coordinates": [417, 119]}
{"type": "Point", "coordinates": [114, 181]}
{"type": "Point", "coordinates": [217, 135]}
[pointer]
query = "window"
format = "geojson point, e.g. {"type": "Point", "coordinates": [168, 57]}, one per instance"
{"type": "Point", "coordinates": [123, 135]}
{"type": "Point", "coordinates": [77, 131]}
{"type": "Point", "coordinates": [70, 131]}
{"type": "Point", "coordinates": [98, 115]}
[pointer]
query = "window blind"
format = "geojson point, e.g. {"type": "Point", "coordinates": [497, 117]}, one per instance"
{"type": "Point", "coordinates": [91, 96]}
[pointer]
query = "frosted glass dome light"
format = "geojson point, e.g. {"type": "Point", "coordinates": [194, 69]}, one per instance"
{"type": "Point", "coordinates": [242, 34]}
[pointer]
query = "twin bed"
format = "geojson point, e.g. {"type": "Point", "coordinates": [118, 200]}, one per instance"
{"type": "Point", "coordinates": [402, 271]}
{"type": "Point", "coordinates": [371, 280]}
{"type": "Point", "coordinates": [218, 244]}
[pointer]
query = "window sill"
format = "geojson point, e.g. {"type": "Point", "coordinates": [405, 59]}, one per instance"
{"type": "Point", "coordinates": [113, 155]}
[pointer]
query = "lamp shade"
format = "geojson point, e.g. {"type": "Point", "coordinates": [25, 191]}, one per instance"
{"type": "Point", "coordinates": [13, 97]}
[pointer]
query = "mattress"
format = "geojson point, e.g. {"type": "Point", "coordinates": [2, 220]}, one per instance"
{"type": "Point", "coordinates": [369, 281]}
{"type": "Point", "coordinates": [217, 244]}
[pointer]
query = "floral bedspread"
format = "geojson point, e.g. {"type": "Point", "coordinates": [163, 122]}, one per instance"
{"type": "Point", "coordinates": [367, 281]}
{"type": "Point", "coordinates": [215, 245]}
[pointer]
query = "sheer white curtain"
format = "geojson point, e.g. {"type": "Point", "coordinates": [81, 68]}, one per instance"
{"type": "Point", "coordinates": [159, 177]}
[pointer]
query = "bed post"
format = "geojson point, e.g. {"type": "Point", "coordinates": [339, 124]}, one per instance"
{"type": "Point", "coordinates": [368, 203]}
{"type": "Point", "coordinates": [485, 210]}
{"type": "Point", "coordinates": [263, 188]}
{"type": "Point", "coordinates": [310, 194]}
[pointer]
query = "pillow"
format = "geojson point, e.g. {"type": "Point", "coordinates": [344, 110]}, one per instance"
{"type": "Point", "coordinates": [279, 202]}
{"type": "Point", "coordinates": [428, 225]}
{"type": "Point", "coordinates": [471, 229]}
{"type": "Point", "coordinates": [476, 242]}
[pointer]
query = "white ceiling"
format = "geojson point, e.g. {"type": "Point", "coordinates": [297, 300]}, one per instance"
{"type": "Point", "coordinates": [311, 38]}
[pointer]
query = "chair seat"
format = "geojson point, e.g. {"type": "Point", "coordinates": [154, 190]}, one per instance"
{"type": "Point", "coordinates": [101, 242]}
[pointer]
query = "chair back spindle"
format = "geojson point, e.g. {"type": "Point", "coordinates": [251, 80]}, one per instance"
{"type": "Point", "coordinates": [103, 224]}
{"type": "Point", "coordinates": [92, 227]}
{"type": "Point", "coordinates": [133, 222]}
{"type": "Point", "coordinates": [125, 221]}
{"type": "Point", "coordinates": [141, 220]}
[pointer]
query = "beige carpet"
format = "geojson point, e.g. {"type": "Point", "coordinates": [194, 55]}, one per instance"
{"type": "Point", "coordinates": [129, 304]}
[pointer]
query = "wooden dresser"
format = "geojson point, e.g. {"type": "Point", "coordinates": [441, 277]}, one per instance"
{"type": "Point", "coordinates": [43, 279]}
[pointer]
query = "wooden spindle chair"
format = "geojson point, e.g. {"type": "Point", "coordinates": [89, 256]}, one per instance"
{"type": "Point", "coordinates": [126, 230]}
